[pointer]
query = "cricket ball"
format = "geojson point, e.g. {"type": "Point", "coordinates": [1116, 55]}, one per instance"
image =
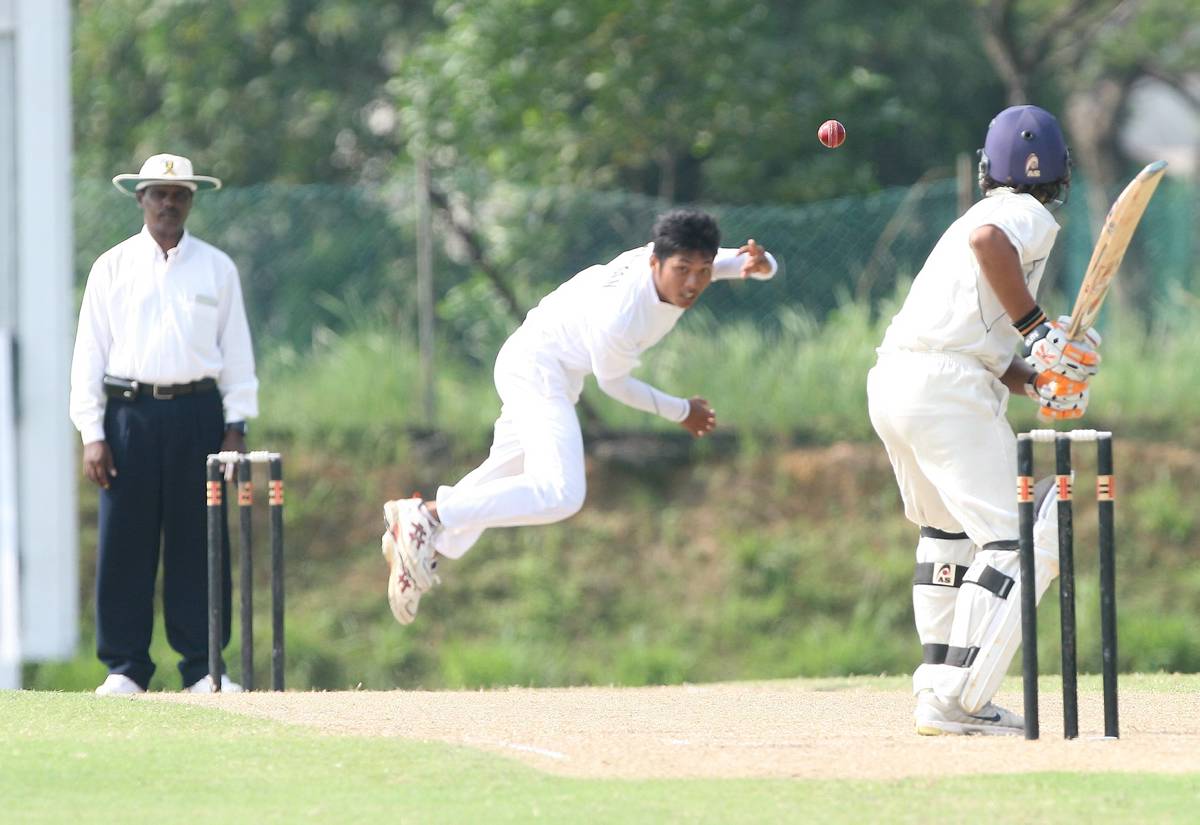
{"type": "Point", "coordinates": [831, 133]}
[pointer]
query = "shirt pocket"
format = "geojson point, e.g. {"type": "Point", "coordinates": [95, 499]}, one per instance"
{"type": "Point", "coordinates": [204, 317]}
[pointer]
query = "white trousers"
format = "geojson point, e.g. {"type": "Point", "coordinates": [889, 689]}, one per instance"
{"type": "Point", "coordinates": [942, 420]}
{"type": "Point", "coordinates": [534, 473]}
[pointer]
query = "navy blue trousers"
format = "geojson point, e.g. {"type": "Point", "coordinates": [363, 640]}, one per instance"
{"type": "Point", "coordinates": [157, 501]}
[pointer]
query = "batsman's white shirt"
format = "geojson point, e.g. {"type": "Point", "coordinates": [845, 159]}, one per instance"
{"type": "Point", "coordinates": [951, 307]}
{"type": "Point", "coordinates": [598, 322]}
{"type": "Point", "coordinates": [935, 394]}
{"type": "Point", "coordinates": [162, 319]}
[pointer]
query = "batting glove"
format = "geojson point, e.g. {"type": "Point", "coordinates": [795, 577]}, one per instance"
{"type": "Point", "coordinates": [1047, 348]}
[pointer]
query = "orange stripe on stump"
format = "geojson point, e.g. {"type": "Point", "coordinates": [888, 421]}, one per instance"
{"type": "Point", "coordinates": [1024, 488]}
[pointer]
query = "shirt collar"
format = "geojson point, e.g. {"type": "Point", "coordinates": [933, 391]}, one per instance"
{"type": "Point", "coordinates": [180, 249]}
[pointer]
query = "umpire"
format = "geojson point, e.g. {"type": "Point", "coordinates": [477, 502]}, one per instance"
{"type": "Point", "coordinates": [162, 375]}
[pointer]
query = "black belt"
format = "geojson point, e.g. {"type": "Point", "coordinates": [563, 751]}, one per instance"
{"type": "Point", "coordinates": [128, 388]}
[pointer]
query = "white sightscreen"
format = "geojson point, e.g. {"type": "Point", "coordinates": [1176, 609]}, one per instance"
{"type": "Point", "coordinates": [10, 605]}
{"type": "Point", "coordinates": [37, 302]}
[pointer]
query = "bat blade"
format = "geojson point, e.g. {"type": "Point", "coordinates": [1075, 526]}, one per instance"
{"type": "Point", "coordinates": [1122, 220]}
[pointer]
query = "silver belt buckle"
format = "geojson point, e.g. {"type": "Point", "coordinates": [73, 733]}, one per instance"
{"type": "Point", "coordinates": [159, 397]}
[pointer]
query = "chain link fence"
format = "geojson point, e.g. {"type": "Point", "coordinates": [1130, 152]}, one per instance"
{"type": "Point", "coordinates": [320, 259]}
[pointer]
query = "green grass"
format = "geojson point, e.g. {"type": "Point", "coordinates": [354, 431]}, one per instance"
{"type": "Point", "coordinates": [72, 757]}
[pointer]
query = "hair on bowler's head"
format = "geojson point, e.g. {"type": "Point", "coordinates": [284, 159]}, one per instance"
{"type": "Point", "coordinates": [685, 230]}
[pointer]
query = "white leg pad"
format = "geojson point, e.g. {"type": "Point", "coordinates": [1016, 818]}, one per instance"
{"type": "Point", "coordinates": [941, 565]}
{"type": "Point", "coordinates": [994, 624]}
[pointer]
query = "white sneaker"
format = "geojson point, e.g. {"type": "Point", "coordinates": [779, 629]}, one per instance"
{"type": "Point", "coordinates": [936, 717]}
{"type": "Point", "coordinates": [407, 546]}
{"type": "Point", "coordinates": [205, 685]}
{"type": "Point", "coordinates": [118, 684]}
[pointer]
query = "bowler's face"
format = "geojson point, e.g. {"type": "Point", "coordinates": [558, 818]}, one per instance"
{"type": "Point", "coordinates": [165, 208]}
{"type": "Point", "coordinates": [682, 277]}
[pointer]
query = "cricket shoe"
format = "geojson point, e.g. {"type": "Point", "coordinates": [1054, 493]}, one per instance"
{"type": "Point", "coordinates": [408, 549]}
{"type": "Point", "coordinates": [118, 684]}
{"type": "Point", "coordinates": [938, 717]}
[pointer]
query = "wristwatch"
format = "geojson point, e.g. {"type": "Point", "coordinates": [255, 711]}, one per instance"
{"type": "Point", "coordinates": [239, 426]}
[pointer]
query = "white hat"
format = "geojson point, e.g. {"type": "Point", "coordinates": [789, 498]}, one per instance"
{"type": "Point", "coordinates": [169, 170]}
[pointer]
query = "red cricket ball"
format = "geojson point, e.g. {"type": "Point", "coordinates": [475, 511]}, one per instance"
{"type": "Point", "coordinates": [831, 133]}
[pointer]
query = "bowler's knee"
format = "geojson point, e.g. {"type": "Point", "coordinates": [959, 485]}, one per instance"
{"type": "Point", "coordinates": [561, 501]}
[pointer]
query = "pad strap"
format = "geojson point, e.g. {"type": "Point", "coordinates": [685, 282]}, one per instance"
{"type": "Point", "coordinates": [961, 656]}
{"type": "Point", "coordinates": [995, 581]}
{"type": "Point", "coordinates": [934, 654]}
{"type": "Point", "coordinates": [1002, 545]}
{"type": "Point", "coordinates": [942, 573]}
{"type": "Point", "coordinates": [934, 533]}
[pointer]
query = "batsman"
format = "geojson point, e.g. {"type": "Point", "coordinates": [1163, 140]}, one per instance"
{"type": "Point", "coordinates": [969, 335]}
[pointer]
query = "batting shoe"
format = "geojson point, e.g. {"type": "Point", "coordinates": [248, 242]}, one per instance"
{"type": "Point", "coordinates": [118, 684]}
{"type": "Point", "coordinates": [938, 717]}
{"type": "Point", "coordinates": [408, 548]}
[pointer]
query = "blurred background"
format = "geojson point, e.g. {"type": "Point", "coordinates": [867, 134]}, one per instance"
{"type": "Point", "coordinates": [403, 180]}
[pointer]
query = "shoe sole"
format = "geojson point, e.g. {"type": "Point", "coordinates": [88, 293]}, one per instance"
{"type": "Point", "coordinates": [399, 611]}
{"type": "Point", "coordinates": [954, 729]}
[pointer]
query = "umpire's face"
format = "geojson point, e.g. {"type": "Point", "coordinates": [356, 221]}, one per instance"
{"type": "Point", "coordinates": [165, 208]}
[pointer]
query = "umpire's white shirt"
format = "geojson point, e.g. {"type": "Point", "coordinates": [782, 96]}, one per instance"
{"type": "Point", "coordinates": [162, 319]}
{"type": "Point", "coordinates": [951, 307]}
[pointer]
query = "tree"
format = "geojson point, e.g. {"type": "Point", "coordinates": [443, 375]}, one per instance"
{"type": "Point", "coordinates": [269, 90]}
{"type": "Point", "coordinates": [690, 100]}
{"type": "Point", "coordinates": [1092, 56]}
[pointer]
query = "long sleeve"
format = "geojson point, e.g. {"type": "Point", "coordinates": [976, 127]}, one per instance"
{"type": "Point", "coordinates": [237, 381]}
{"type": "Point", "coordinates": [728, 266]}
{"type": "Point", "coordinates": [93, 341]}
{"type": "Point", "coordinates": [641, 396]}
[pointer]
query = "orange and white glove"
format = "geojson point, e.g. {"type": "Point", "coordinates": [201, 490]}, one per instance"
{"type": "Point", "coordinates": [1059, 397]}
{"type": "Point", "coordinates": [1047, 348]}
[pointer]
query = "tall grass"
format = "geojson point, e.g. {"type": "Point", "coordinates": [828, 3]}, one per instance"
{"type": "Point", "coordinates": [788, 378]}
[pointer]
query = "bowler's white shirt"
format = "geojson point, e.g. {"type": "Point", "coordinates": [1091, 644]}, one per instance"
{"type": "Point", "coordinates": [951, 307]}
{"type": "Point", "coordinates": [162, 319]}
{"type": "Point", "coordinates": [605, 317]}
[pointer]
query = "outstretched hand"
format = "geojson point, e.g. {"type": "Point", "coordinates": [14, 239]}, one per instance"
{"type": "Point", "coordinates": [756, 263]}
{"type": "Point", "coordinates": [701, 419]}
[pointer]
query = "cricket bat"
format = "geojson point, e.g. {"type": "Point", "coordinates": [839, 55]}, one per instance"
{"type": "Point", "coordinates": [1118, 229]}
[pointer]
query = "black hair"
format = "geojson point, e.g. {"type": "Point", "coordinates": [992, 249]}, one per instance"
{"type": "Point", "coordinates": [685, 230]}
{"type": "Point", "coordinates": [1044, 192]}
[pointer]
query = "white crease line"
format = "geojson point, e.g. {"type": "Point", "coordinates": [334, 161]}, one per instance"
{"type": "Point", "coordinates": [533, 749]}
{"type": "Point", "coordinates": [516, 746]}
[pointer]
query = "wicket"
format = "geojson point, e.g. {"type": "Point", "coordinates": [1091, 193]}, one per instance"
{"type": "Point", "coordinates": [216, 520]}
{"type": "Point", "coordinates": [1105, 498]}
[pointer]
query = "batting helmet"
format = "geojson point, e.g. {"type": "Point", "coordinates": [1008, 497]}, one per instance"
{"type": "Point", "coordinates": [1024, 145]}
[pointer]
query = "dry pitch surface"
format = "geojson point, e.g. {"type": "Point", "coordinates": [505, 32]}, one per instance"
{"type": "Point", "coordinates": [775, 729]}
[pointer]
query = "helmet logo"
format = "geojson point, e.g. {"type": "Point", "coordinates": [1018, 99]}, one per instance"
{"type": "Point", "coordinates": [1032, 169]}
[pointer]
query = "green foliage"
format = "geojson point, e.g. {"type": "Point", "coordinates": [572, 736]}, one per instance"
{"type": "Point", "coordinates": [271, 90]}
{"type": "Point", "coordinates": [663, 98]}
